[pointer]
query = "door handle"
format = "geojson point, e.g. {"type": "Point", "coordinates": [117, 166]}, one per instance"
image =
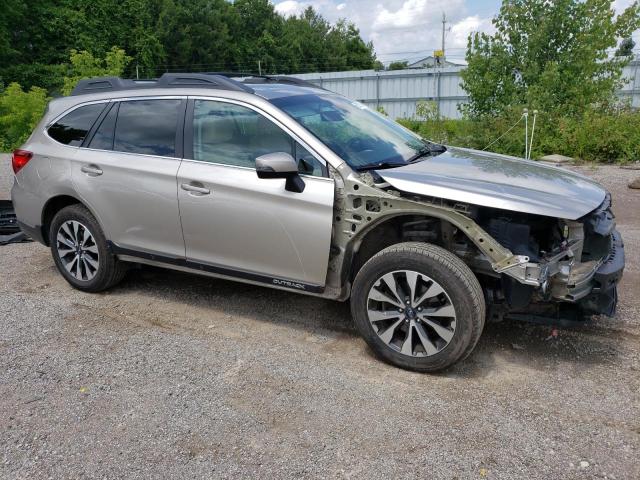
{"type": "Point", "coordinates": [91, 170]}
{"type": "Point", "coordinates": [190, 187]}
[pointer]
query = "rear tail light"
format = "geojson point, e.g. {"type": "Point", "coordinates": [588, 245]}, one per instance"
{"type": "Point", "coordinates": [19, 159]}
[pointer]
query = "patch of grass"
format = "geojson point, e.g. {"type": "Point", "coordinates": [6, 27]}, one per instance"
{"type": "Point", "coordinates": [596, 136]}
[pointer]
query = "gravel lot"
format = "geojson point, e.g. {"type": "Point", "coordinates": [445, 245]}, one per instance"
{"type": "Point", "coordinates": [173, 375]}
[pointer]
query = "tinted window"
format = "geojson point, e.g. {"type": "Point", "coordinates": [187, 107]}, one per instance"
{"type": "Point", "coordinates": [73, 127]}
{"type": "Point", "coordinates": [234, 135]}
{"type": "Point", "coordinates": [103, 138]}
{"type": "Point", "coordinates": [147, 126]}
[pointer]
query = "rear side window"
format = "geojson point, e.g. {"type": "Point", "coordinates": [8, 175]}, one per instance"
{"type": "Point", "coordinates": [148, 127]}
{"type": "Point", "coordinates": [103, 138]}
{"type": "Point", "coordinates": [73, 127]}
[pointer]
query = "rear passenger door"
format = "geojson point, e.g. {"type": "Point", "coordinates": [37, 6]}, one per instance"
{"type": "Point", "coordinates": [126, 172]}
{"type": "Point", "coordinates": [238, 224]}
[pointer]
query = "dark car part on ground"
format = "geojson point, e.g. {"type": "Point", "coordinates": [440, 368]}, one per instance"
{"type": "Point", "coordinates": [9, 230]}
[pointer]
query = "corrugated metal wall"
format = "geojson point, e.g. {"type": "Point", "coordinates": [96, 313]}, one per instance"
{"type": "Point", "coordinates": [398, 91]}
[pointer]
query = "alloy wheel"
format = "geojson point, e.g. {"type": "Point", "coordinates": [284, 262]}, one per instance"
{"type": "Point", "coordinates": [77, 250]}
{"type": "Point", "coordinates": [411, 313]}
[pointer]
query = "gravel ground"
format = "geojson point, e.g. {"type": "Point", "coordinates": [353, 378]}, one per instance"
{"type": "Point", "coordinates": [174, 375]}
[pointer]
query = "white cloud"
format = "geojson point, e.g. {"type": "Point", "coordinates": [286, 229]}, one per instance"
{"type": "Point", "coordinates": [290, 7]}
{"type": "Point", "coordinates": [460, 31]}
{"type": "Point", "coordinates": [341, 6]}
{"type": "Point", "coordinates": [620, 5]}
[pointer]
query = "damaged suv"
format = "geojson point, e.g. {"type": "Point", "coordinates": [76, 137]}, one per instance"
{"type": "Point", "coordinates": [274, 181]}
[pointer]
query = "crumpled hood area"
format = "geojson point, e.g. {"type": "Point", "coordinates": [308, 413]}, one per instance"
{"type": "Point", "coordinates": [498, 181]}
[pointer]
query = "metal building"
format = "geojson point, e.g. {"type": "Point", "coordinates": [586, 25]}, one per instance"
{"type": "Point", "coordinates": [398, 91]}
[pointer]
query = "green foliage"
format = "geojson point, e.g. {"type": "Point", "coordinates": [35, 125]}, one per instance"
{"type": "Point", "coordinates": [626, 48]}
{"type": "Point", "coordinates": [85, 65]}
{"type": "Point", "coordinates": [172, 35]}
{"type": "Point", "coordinates": [380, 109]}
{"type": "Point", "coordinates": [427, 110]}
{"type": "Point", "coordinates": [20, 111]}
{"type": "Point", "coordinates": [549, 56]}
{"type": "Point", "coordinates": [398, 65]}
{"type": "Point", "coordinates": [605, 136]}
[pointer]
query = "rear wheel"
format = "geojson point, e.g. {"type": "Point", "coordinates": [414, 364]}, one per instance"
{"type": "Point", "coordinates": [80, 250]}
{"type": "Point", "coordinates": [418, 306]}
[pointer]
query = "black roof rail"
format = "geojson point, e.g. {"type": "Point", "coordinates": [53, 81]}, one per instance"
{"type": "Point", "coordinates": [280, 79]}
{"type": "Point", "coordinates": [167, 80]}
{"type": "Point", "coordinates": [252, 78]}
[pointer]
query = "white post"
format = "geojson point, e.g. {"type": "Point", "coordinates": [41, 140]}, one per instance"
{"type": "Point", "coordinates": [526, 133]}
{"type": "Point", "coordinates": [533, 129]}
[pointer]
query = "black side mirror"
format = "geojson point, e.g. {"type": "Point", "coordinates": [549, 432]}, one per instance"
{"type": "Point", "coordinates": [280, 165]}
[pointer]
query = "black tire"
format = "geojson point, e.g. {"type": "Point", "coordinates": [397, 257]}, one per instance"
{"type": "Point", "coordinates": [457, 280]}
{"type": "Point", "coordinates": [110, 270]}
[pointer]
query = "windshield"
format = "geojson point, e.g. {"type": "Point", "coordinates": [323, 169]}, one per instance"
{"type": "Point", "coordinates": [364, 139]}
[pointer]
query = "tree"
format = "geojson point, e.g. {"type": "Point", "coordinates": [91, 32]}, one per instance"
{"type": "Point", "coordinates": [37, 37]}
{"type": "Point", "coordinates": [626, 48]}
{"type": "Point", "coordinates": [398, 65]}
{"type": "Point", "coordinates": [85, 65]}
{"type": "Point", "coordinates": [550, 56]}
{"type": "Point", "coordinates": [20, 111]}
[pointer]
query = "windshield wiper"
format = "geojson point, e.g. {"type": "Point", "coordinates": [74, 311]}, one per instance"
{"type": "Point", "coordinates": [380, 166]}
{"type": "Point", "coordinates": [431, 149]}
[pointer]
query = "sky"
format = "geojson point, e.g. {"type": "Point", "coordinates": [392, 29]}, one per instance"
{"type": "Point", "coordinates": [410, 29]}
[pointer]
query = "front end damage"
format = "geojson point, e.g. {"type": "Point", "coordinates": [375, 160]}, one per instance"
{"type": "Point", "coordinates": [532, 267]}
{"type": "Point", "coordinates": [577, 279]}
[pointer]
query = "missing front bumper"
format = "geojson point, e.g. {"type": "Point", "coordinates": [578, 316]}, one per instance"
{"type": "Point", "coordinates": [603, 297]}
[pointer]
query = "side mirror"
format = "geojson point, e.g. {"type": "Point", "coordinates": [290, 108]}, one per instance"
{"type": "Point", "coordinates": [280, 165]}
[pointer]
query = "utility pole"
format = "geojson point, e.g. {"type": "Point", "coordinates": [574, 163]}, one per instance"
{"type": "Point", "coordinates": [259, 68]}
{"type": "Point", "coordinates": [444, 26]}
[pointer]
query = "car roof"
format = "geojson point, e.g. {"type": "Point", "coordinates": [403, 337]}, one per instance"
{"type": "Point", "coordinates": [265, 88]}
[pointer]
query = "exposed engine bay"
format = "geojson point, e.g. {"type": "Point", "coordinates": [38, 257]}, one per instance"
{"type": "Point", "coordinates": [532, 267]}
{"type": "Point", "coordinates": [569, 268]}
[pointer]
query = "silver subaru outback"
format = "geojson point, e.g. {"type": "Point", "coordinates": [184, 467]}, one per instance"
{"type": "Point", "coordinates": [276, 182]}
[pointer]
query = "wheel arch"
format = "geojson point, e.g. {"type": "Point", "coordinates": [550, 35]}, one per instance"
{"type": "Point", "coordinates": [53, 206]}
{"type": "Point", "coordinates": [387, 231]}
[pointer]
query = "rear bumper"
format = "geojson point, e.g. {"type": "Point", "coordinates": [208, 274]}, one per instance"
{"type": "Point", "coordinates": [34, 232]}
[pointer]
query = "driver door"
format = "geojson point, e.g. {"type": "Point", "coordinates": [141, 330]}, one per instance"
{"type": "Point", "coordinates": [238, 225]}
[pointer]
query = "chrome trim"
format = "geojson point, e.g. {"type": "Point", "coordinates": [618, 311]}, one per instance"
{"type": "Point", "coordinates": [238, 167]}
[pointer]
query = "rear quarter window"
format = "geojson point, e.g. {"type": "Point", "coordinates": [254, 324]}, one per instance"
{"type": "Point", "coordinates": [74, 126]}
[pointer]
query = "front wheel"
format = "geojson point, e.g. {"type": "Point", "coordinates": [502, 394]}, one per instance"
{"type": "Point", "coordinates": [418, 306]}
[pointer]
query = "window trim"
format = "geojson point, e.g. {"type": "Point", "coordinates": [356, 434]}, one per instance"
{"type": "Point", "coordinates": [188, 133]}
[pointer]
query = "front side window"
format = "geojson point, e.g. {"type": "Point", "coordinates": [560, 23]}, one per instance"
{"type": "Point", "coordinates": [234, 135]}
{"type": "Point", "coordinates": [148, 127]}
{"type": "Point", "coordinates": [73, 127]}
